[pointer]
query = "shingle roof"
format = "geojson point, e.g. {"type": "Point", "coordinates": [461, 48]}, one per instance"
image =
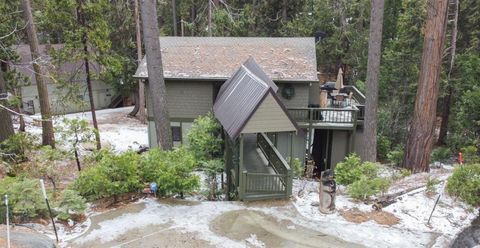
{"type": "Point", "coordinates": [72, 70]}
{"type": "Point", "coordinates": [288, 59]}
{"type": "Point", "coordinates": [240, 97]}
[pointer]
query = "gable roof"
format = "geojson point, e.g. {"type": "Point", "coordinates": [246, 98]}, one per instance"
{"type": "Point", "coordinates": [240, 98]}
{"type": "Point", "coordinates": [283, 59]}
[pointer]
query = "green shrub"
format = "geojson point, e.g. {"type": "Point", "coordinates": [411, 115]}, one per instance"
{"type": "Point", "coordinates": [352, 169]}
{"type": "Point", "coordinates": [383, 146]}
{"type": "Point", "coordinates": [204, 138]}
{"type": "Point", "coordinates": [16, 147]}
{"type": "Point", "coordinates": [70, 205]}
{"type": "Point", "coordinates": [171, 170]}
{"type": "Point", "coordinates": [431, 182]}
{"type": "Point", "coordinates": [440, 154]}
{"type": "Point", "coordinates": [465, 183]}
{"type": "Point", "coordinates": [365, 187]}
{"type": "Point", "coordinates": [396, 156]}
{"type": "Point", "coordinates": [297, 168]}
{"type": "Point", "coordinates": [470, 154]}
{"type": "Point", "coordinates": [112, 176]}
{"type": "Point", "coordinates": [213, 168]}
{"type": "Point", "coordinates": [25, 197]}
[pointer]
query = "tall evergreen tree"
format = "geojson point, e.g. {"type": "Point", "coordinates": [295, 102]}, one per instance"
{"type": "Point", "coordinates": [421, 133]}
{"type": "Point", "coordinates": [47, 126]}
{"type": "Point", "coordinates": [373, 70]}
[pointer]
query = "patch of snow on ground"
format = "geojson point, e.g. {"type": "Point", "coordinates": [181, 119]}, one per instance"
{"type": "Point", "coordinates": [116, 129]}
{"type": "Point", "coordinates": [188, 218]}
{"type": "Point", "coordinates": [449, 218]}
{"type": "Point", "coordinates": [252, 241]}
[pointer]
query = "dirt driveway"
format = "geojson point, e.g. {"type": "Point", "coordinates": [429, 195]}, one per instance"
{"type": "Point", "coordinates": [153, 223]}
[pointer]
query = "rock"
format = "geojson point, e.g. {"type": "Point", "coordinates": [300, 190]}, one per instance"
{"type": "Point", "coordinates": [315, 204]}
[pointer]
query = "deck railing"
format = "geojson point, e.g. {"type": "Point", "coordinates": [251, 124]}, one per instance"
{"type": "Point", "coordinates": [324, 115]}
{"type": "Point", "coordinates": [265, 185]}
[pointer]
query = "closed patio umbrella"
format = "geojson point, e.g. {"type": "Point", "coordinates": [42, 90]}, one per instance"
{"type": "Point", "coordinates": [339, 82]}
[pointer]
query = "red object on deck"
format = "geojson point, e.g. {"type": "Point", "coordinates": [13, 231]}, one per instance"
{"type": "Point", "coordinates": [460, 159]}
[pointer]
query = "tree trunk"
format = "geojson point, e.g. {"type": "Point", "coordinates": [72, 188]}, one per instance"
{"type": "Point", "coordinates": [174, 17]}
{"type": "Point", "coordinates": [373, 69]}
{"type": "Point", "coordinates": [47, 126]}
{"type": "Point", "coordinates": [6, 125]}
{"type": "Point", "coordinates": [157, 91]}
{"type": "Point", "coordinates": [140, 101]}
{"type": "Point", "coordinates": [284, 10]}
{"type": "Point", "coordinates": [209, 18]}
{"type": "Point", "coordinates": [21, 120]}
{"type": "Point", "coordinates": [442, 136]}
{"type": "Point", "coordinates": [82, 22]}
{"type": "Point", "coordinates": [421, 133]}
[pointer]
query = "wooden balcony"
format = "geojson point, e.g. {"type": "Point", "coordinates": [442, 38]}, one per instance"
{"type": "Point", "coordinates": [326, 118]}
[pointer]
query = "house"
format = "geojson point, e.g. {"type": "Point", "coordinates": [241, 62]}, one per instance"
{"type": "Point", "coordinates": [195, 68]}
{"type": "Point", "coordinates": [72, 73]}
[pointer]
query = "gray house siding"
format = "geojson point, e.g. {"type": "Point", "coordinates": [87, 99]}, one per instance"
{"type": "Point", "coordinates": [102, 93]}
{"type": "Point", "coordinates": [186, 101]}
{"type": "Point", "coordinates": [189, 99]}
{"type": "Point", "coordinates": [299, 99]}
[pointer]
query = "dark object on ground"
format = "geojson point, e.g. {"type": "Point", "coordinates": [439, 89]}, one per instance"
{"type": "Point", "coordinates": [28, 240]}
{"type": "Point", "coordinates": [389, 199]}
{"type": "Point", "coordinates": [143, 149]}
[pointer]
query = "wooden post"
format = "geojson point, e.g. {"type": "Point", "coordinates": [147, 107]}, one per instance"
{"type": "Point", "coordinates": [209, 18]}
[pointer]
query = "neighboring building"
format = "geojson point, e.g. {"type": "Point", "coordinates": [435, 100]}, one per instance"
{"type": "Point", "coordinates": [73, 73]}
{"type": "Point", "coordinates": [196, 67]}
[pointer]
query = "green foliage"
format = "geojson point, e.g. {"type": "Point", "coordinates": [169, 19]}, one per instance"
{"type": "Point", "coordinates": [212, 168]}
{"type": "Point", "coordinates": [74, 132]}
{"type": "Point", "coordinates": [365, 187]}
{"type": "Point", "coordinates": [396, 156]}
{"type": "Point", "coordinates": [112, 176]}
{"type": "Point", "coordinates": [353, 169]}
{"type": "Point", "coordinates": [440, 154]}
{"type": "Point", "coordinates": [465, 183]}
{"type": "Point", "coordinates": [171, 170]}
{"type": "Point", "coordinates": [70, 205]}
{"type": "Point", "coordinates": [383, 147]}
{"type": "Point", "coordinates": [297, 168]}
{"type": "Point", "coordinates": [431, 182]}
{"type": "Point", "coordinates": [204, 138]}
{"type": "Point", "coordinates": [17, 147]}
{"type": "Point", "coordinates": [25, 197]}
{"type": "Point", "coordinates": [470, 154]}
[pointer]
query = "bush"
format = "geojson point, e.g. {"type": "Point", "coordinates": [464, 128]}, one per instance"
{"type": "Point", "coordinates": [297, 168]}
{"type": "Point", "coordinates": [352, 169]}
{"type": "Point", "coordinates": [383, 146]}
{"type": "Point", "coordinates": [470, 154]}
{"type": "Point", "coordinates": [396, 156]}
{"type": "Point", "coordinates": [204, 138]}
{"type": "Point", "coordinates": [366, 187]}
{"type": "Point", "coordinates": [465, 183]}
{"type": "Point", "coordinates": [171, 170]}
{"type": "Point", "coordinates": [112, 176]}
{"type": "Point", "coordinates": [440, 154]}
{"type": "Point", "coordinates": [16, 147]}
{"type": "Point", "coordinates": [70, 205]}
{"type": "Point", "coordinates": [431, 182]}
{"type": "Point", "coordinates": [25, 197]}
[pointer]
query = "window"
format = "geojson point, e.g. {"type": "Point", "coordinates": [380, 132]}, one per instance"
{"type": "Point", "coordinates": [177, 134]}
